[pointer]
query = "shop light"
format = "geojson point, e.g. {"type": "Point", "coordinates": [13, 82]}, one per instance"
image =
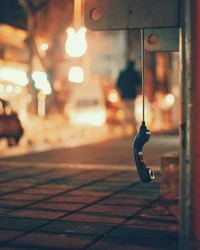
{"type": "Point", "coordinates": [9, 88]}
{"type": "Point", "coordinates": [88, 118]}
{"type": "Point", "coordinates": [76, 75]}
{"type": "Point", "coordinates": [76, 44]}
{"type": "Point", "coordinates": [170, 99]}
{"type": "Point", "coordinates": [17, 89]}
{"type": "Point", "coordinates": [113, 96]}
{"type": "Point", "coordinates": [44, 46]}
{"type": "Point", "coordinates": [16, 76]}
{"type": "Point", "coordinates": [41, 82]}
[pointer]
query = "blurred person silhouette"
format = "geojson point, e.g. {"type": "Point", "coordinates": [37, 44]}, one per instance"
{"type": "Point", "coordinates": [128, 84]}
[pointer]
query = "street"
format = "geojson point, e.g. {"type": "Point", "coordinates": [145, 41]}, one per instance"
{"type": "Point", "coordinates": [87, 197]}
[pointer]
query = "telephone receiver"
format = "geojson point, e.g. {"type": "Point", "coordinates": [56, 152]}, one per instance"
{"type": "Point", "coordinates": [146, 174]}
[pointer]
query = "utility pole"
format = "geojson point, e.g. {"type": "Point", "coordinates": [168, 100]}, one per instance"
{"type": "Point", "coordinates": [190, 126]}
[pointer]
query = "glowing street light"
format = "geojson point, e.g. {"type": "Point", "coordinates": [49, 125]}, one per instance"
{"type": "Point", "coordinates": [44, 46]}
{"type": "Point", "coordinates": [76, 75]}
{"type": "Point", "coordinates": [76, 44]}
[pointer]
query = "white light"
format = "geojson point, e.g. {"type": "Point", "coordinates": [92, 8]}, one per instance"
{"type": "Point", "coordinates": [76, 75]}
{"type": "Point", "coordinates": [16, 76]}
{"type": "Point", "coordinates": [44, 46]}
{"type": "Point", "coordinates": [17, 89]}
{"type": "Point", "coordinates": [41, 82]}
{"type": "Point", "coordinates": [89, 118]}
{"type": "Point", "coordinates": [9, 88]}
{"type": "Point", "coordinates": [170, 99]}
{"type": "Point", "coordinates": [76, 44]}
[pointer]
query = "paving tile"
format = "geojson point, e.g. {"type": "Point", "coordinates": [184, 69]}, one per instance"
{"type": "Point", "coordinates": [120, 243]}
{"type": "Point", "coordinates": [74, 227]}
{"type": "Point", "coordinates": [13, 204]}
{"type": "Point", "coordinates": [124, 201]}
{"type": "Point", "coordinates": [113, 209]}
{"type": "Point", "coordinates": [12, 248]}
{"type": "Point", "coordinates": [41, 190]}
{"type": "Point", "coordinates": [85, 199]}
{"type": "Point", "coordinates": [54, 206]}
{"type": "Point", "coordinates": [135, 232]}
{"type": "Point", "coordinates": [53, 186]}
{"type": "Point", "coordinates": [38, 214]}
{"type": "Point", "coordinates": [21, 183]}
{"type": "Point", "coordinates": [81, 216]}
{"type": "Point", "coordinates": [26, 197]}
{"type": "Point", "coordinates": [4, 210]}
{"type": "Point", "coordinates": [20, 224]}
{"type": "Point", "coordinates": [5, 188]}
{"type": "Point", "coordinates": [88, 193]}
{"type": "Point", "coordinates": [159, 223]}
{"type": "Point", "coordinates": [6, 235]}
{"type": "Point", "coordinates": [52, 241]}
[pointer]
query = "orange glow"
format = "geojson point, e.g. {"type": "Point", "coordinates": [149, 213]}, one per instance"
{"type": "Point", "coordinates": [77, 13]}
{"type": "Point", "coordinates": [165, 102]}
{"type": "Point", "coordinates": [120, 114]}
{"type": "Point", "coordinates": [113, 96]}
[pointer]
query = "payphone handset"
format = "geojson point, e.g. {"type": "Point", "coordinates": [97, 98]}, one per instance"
{"type": "Point", "coordinates": [146, 175]}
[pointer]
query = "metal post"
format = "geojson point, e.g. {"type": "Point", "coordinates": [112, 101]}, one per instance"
{"type": "Point", "coordinates": [190, 125]}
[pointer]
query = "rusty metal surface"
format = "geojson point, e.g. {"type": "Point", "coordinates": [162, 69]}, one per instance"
{"type": "Point", "coordinates": [166, 39]}
{"type": "Point", "coordinates": [131, 14]}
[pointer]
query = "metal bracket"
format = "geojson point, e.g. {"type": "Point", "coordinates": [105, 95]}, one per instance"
{"type": "Point", "coordinates": [131, 14]}
{"type": "Point", "coordinates": [161, 39]}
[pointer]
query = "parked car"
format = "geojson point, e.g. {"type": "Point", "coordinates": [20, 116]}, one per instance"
{"type": "Point", "coordinates": [10, 124]}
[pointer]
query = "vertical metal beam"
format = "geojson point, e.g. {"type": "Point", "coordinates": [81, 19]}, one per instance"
{"type": "Point", "coordinates": [190, 126]}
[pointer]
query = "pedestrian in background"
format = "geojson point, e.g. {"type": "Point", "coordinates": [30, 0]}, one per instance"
{"type": "Point", "coordinates": [128, 83]}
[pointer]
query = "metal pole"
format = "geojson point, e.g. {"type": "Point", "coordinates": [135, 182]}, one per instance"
{"type": "Point", "coordinates": [190, 126]}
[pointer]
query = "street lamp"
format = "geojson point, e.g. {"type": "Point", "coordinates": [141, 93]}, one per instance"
{"type": "Point", "coordinates": [76, 44]}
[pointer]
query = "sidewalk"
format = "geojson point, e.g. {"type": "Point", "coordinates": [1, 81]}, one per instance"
{"type": "Point", "coordinates": [52, 132]}
{"type": "Point", "coordinates": [76, 206]}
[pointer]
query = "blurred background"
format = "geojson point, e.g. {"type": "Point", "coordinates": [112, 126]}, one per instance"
{"type": "Point", "coordinates": [60, 78]}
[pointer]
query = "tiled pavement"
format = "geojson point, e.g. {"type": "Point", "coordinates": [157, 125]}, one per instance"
{"type": "Point", "coordinates": [53, 207]}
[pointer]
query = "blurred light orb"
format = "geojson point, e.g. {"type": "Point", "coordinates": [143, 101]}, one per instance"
{"type": "Point", "coordinates": [9, 88]}
{"type": "Point", "coordinates": [17, 89]}
{"type": "Point", "coordinates": [76, 44]}
{"type": "Point", "coordinates": [41, 82]}
{"type": "Point", "coordinates": [44, 46]}
{"type": "Point", "coordinates": [170, 99]}
{"type": "Point", "coordinates": [76, 74]}
{"type": "Point", "coordinates": [113, 96]}
{"type": "Point", "coordinates": [16, 76]}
